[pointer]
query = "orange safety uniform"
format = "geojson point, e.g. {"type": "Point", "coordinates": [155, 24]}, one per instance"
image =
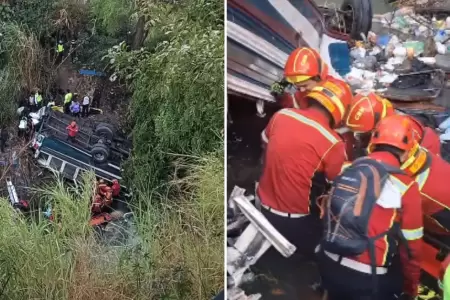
{"type": "Point", "coordinates": [300, 144]}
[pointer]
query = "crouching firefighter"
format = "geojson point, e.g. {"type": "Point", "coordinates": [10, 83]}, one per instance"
{"type": "Point", "coordinates": [372, 207]}
{"type": "Point", "coordinates": [301, 150]}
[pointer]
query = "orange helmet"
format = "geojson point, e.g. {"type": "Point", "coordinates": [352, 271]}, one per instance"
{"type": "Point", "coordinates": [396, 131]}
{"type": "Point", "coordinates": [304, 64]}
{"type": "Point", "coordinates": [73, 124]}
{"type": "Point", "coordinates": [366, 111]}
{"type": "Point", "coordinates": [335, 96]}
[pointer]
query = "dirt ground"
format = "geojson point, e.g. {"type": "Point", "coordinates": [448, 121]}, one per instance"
{"type": "Point", "coordinates": [114, 101]}
{"type": "Point", "coordinates": [24, 171]}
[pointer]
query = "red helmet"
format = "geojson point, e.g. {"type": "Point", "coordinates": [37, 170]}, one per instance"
{"type": "Point", "coordinates": [396, 131]}
{"type": "Point", "coordinates": [417, 129]}
{"type": "Point", "coordinates": [73, 124]}
{"type": "Point", "coordinates": [366, 111]}
{"type": "Point", "coordinates": [335, 96]}
{"type": "Point", "coordinates": [304, 64]}
{"type": "Point", "coordinates": [115, 181]}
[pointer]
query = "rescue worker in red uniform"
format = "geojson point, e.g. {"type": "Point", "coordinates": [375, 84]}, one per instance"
{"type": "Point", "coordinates": [302, 148]}
{"type": "Point", "coordinates": [305, 69]}
{"type": "Point", "coordinates": [102, 187]}
{"type": "Point", "coordinates": [431, 173]}
{"type": "Point", "coordinates": [367, 110]}
{"type": "Point", "coordinates": [115, 188]}
{"type": "Point", "coordinates": [107, 199]}
{"type": "Point", "coordinates": [350, 278]}
{"type": "Point", "coordinates": [72, 131]}
{"type": "Point", "coordinates": [97, 204]}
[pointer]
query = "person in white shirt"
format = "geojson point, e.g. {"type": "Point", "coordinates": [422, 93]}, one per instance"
{"type": "Point", "coordinates": [85, 106]}
{"type": "Point", "coordinates": [23, 127]}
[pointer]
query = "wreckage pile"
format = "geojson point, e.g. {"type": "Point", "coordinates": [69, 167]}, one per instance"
{"type": "Point", "coordinates": [401, 44]}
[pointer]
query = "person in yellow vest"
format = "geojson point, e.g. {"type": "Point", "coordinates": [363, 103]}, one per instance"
{"type": "Point", "coordinates": [37, 100]}
{"type": "Point", "coordinates": [59, 51]}
{"type": "Point", "coordinates": [67, 101]}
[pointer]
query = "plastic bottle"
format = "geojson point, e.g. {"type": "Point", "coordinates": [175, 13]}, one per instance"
{"type": "Point", "coordinates": [441, 48]}
{"type": "Point", "coordinates": [440, 36]}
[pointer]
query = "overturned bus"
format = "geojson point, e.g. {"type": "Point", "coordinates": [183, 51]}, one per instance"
{"type": "Point", "coordinates": [98, 147]}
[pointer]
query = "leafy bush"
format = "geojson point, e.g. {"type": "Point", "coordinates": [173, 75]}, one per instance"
{"type": "Point", "coordinates": [36, 15]}
{"type": "Point", "coordinates": [177, 88]}
{"type": "Point", "coordinates": [113, 16]}
{"type": "Point", "coordinates": [6, 13]}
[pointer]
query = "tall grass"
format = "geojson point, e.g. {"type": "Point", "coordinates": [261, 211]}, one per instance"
{"type": "Point", "coordinates": [177, 252]}
{"type": "Point", "coordinates": [22, 66]}
{"type": "Point", "coordinates": [177, 83]}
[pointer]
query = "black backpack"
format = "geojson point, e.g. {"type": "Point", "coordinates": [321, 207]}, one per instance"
{"type": "Point", "coordinates": [348, 207]}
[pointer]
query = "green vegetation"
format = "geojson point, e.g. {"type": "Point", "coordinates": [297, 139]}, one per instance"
{"type": "Point", "coordinates": [177, 84]}
{"type": "Point", "coordinates": [173, 68]}
{"type": "Point", "coordinates": [179, 254]}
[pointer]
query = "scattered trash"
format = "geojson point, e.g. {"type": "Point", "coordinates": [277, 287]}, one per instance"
{"type": "Point", "coordinates": [401, 54]}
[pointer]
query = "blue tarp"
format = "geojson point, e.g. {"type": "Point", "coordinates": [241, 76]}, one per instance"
{"type": "Point", "coordinates": [340, 58]}
{"type": "Point", "coordinates": [91, 72]}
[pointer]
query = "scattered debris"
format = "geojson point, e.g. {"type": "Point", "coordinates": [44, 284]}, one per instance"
{"type": "Point", "coordinates": [402, 56]}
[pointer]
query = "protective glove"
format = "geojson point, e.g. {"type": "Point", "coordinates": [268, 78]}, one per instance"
{"type": "Point", "coordinates": [277, 88]}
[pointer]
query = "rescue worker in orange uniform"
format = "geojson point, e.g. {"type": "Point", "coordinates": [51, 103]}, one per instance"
{"type": "Point", "coordinates": [351, 278]}
{"type": "Point", "coordinates": [302, 148]}
{"type": "Point", "coordinates": [367, 110]}
{"type": "Point", "coordinates": [431, 172]}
